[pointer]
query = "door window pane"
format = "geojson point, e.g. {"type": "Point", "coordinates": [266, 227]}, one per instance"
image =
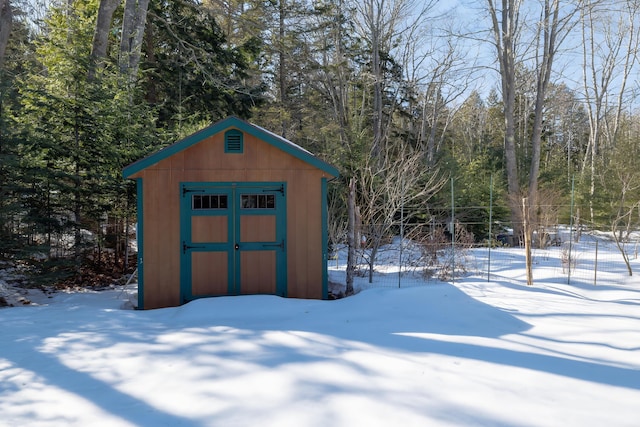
{"type": "Point", "coordinates": [209, 201]}
{"type": "Point", "coordinates": [258, 201]}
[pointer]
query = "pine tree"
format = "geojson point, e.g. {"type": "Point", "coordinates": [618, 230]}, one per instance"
{"type": "Point", "coordinates": [192, 74]}
{"type": "Point", "coordinates": [80, 127]}
{"type": "Point", "coordinates": [12, 233]}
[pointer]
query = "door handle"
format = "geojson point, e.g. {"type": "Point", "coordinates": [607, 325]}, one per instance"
{"type": "Point", "coordinates": [237, 246]}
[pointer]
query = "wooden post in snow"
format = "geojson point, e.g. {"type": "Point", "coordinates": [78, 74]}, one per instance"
{"type": "Point", "coordinates": [527, 240]}
{"type": "Point", "coordinates": [351, 236]}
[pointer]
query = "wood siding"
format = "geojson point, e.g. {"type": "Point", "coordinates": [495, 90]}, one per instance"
{"type": "Point", "coordinates": [206, 161]}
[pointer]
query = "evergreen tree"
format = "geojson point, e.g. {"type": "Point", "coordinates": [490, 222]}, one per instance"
{"type": "Point", "coordinates": [18, 55]}
{"type": "Point", "coordinates": [77, 133]}
{"type": "Point", "coordinates": [192, 75]}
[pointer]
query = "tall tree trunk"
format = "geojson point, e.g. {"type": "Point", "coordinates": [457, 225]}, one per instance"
{"type": "Point", "coordinates": [376, 68]}
{"type": "Point", "coordinates": [431, 139]}
{"type": "Point", "coordinates": [152, 85]}
{"type": "Point", "coordinates": [133, 23]}
{"type": "Point", "coordinates": [336, 75]}
{"type": "Point", "coordinates": [101, 34]}
{"type": "Point", "coordinates": [594, 98]}
{"type": "Point", "coordinates": [6, 22]}
{"type": "Point", "coordinates": [282, 67]}
{"type": "Point", "coordinates": [504, 33]}
{"type": "Point", "coordinates": [549, 28]}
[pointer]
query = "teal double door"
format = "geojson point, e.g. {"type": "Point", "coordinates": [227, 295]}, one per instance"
{"type": "Point", "coordinates": [232, 239]}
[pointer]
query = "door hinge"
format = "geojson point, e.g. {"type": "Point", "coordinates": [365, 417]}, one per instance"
{"type": "Point", "coordinates": [273, 190]}
{"type": "Point", "coordinates": [275, 245]}
{"type": "Point", "coordinates": [186, 247]}
{"type": "Point", "coordinates": [186, 190]}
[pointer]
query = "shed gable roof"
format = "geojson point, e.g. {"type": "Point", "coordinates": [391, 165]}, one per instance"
{"type": "Point", "coordinates": [222, 125]}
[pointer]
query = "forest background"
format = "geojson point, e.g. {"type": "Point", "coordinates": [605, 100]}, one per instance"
{"type": "Point", "coordinates": [525, 111]}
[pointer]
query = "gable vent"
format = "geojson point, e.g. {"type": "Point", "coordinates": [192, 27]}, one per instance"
{"type": "Point", "coordinates": [233, 141]}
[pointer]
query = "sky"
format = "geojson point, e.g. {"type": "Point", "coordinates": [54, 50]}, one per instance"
{"type": "Point", "coordinates": [473, 352]}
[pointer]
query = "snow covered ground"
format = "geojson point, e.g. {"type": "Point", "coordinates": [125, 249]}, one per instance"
{"type": "Point", "coordinates": [469, 353]}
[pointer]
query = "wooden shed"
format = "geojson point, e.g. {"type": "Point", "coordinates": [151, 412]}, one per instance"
{"type": "Point", "coordinates": [233, 209]}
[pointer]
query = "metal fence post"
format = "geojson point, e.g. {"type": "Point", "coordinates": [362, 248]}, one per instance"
{"type": "Point", "coordinates": [401, 233]}
{"type": "Point", "coordinates": [570, 230]}
{"type": "Point", "coordinates": [490, 223]}
{"type": "Point", "coordinates": [453, 236]}
{"type": "Point", "coordinates": [595, 267]}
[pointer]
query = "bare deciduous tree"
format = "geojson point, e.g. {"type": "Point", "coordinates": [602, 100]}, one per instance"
{"type": "Point", "coordinates": [555, 22]}
{"type": "Point", "coordinates": [505, 29]}
{"type": "Point", "coordinates": [381, 24]}
{"type": "Point", "coordinates": [623, 184]}
{"type": "Point", "coordinates": [610, 42]}
{"type": "Point", "coordinates": [438, 70]}
{"type": "Point", "coordinates": [384, 191]}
